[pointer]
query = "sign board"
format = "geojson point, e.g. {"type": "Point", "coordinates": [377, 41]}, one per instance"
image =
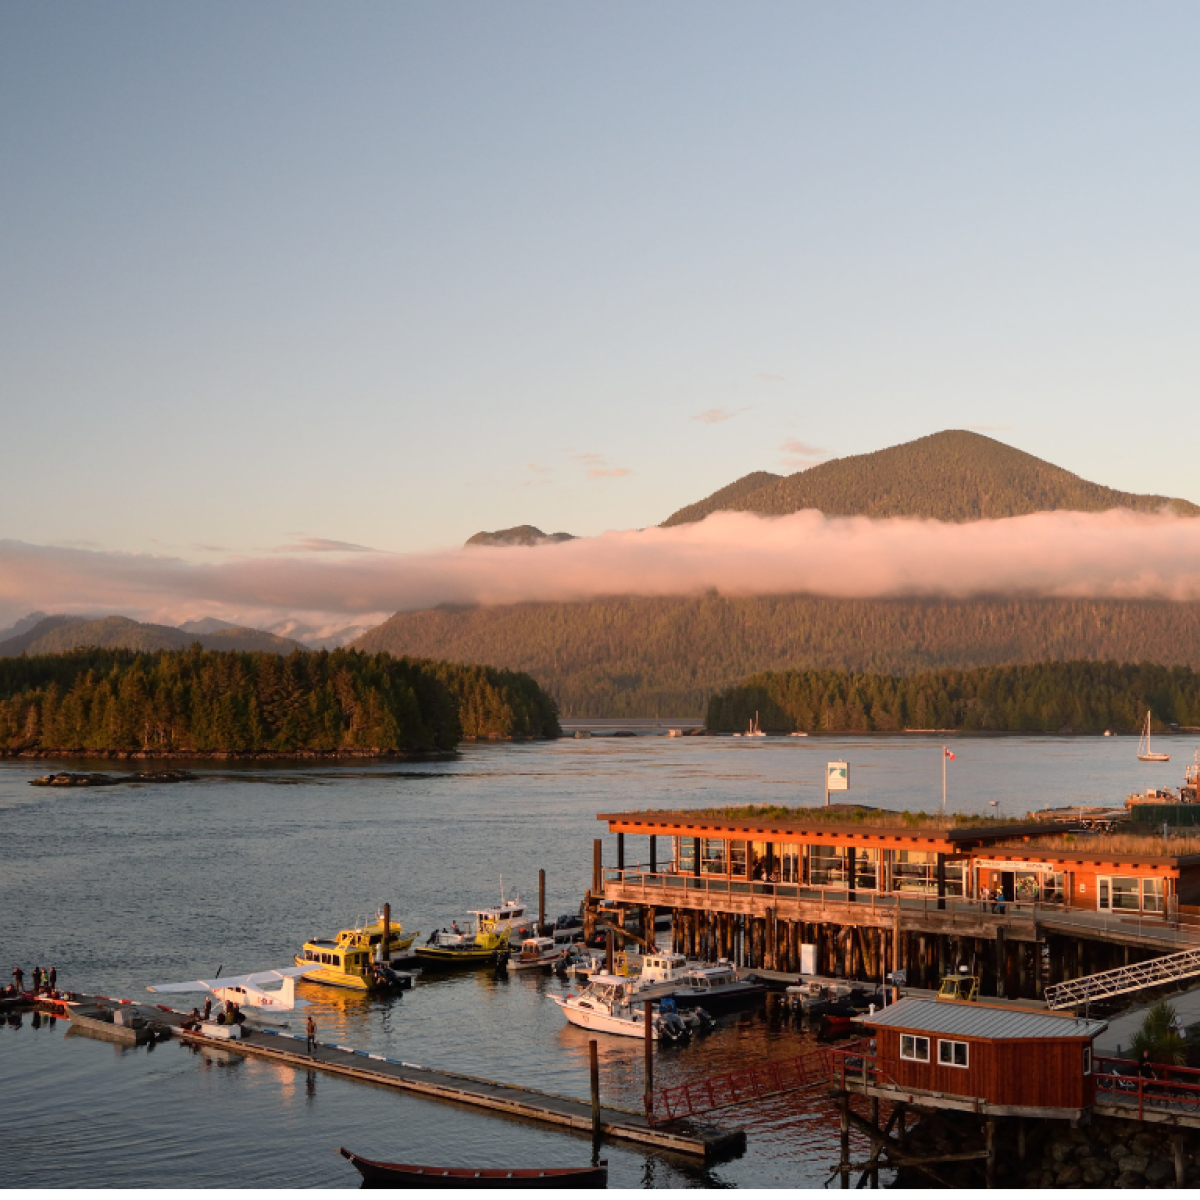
{"type": "Point", "coordinates": [837, 777]}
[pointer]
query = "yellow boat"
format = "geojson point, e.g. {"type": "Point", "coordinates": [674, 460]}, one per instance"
{"type": "Point", "coordinates": [357, 960]}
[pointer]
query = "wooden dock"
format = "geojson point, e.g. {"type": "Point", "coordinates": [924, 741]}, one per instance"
{"type": "Point", "coordinates": [684, 1137]}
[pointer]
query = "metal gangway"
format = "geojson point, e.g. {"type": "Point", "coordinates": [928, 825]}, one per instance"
{"type": "Point", "coordinates": [1152, 973]}
{"type": "Point", "coordinates": [755, 1082]}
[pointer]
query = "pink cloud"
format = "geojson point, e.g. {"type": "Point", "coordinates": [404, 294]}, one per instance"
{"type": "Point", "coordinates": [714, 416]}
{"type": "Point", "coordinates": [1115, 554]}
{"type": "Point", "coordinates": [608, 472]}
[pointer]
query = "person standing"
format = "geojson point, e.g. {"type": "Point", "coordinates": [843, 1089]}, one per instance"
{"type": "Point", "coordinates": [208, 1008]}
{"type": "Point", "coordinates": [310, 1029]}
{"type": "Point", "coordinates": [19, 980]}
{"type": "Point", "coordinates": [37, 981]}
{"type": "Point", "coordinates": [53, 978]}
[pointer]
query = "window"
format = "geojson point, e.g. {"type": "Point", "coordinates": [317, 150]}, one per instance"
{"type": "Point", "coordinates": [1087, 1060]}
{"type": "Point", "coordinates": [866, 868]}
{"type": "Point", "coordinates": [789, 860]}
{"type": "Point", "coordinates": [826, 866]}
{"type": "Point", "coordinates": [952, 1054]}
{"type": "Point", "coordinates": [1152, 895]}
{"type": "Point", "coordinates": [686, 855]}
{"type": "Point", "coordinates": [737, 859]}
{"type": "Point", "coordinates": [1125, 893]}
{"type": "Point", "coordinates": [712, 856]}
{"type": "Point", "coordinates": [913, 1048]}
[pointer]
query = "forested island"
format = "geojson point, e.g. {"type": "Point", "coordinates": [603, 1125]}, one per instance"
{"type": "Point", "coordinates": [1049, 697]}
{"type": "Point", "coordinates": [204, 703]}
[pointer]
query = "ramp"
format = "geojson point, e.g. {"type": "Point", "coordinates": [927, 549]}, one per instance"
{"type": "Point", "coordinates": [1153, 973]}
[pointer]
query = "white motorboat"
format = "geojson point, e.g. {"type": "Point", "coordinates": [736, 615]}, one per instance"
{"type": "Point", "coordinates": [718, 987]}
{"type": "Point", "coordinates": [662, 972]}
{"type": "Point", "coordinates": [536, 952]}
{"type": "Point", "coordinates": [610, 1004]}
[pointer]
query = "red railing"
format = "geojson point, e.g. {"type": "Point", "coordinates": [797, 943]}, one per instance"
{"type": "Point", "coordinates": [857, 1062]}
{"type": "Point", "coordinates": [1118, 1081]}
{"type": "Point", "coordinates": [740, 1087]}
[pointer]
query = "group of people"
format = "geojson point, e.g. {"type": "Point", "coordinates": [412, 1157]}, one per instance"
{"type": "Point", "coordinates": [43, 983]}
{"type": "Point", "coordinates": [994, 898]}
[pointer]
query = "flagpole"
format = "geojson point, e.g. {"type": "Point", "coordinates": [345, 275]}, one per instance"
{"type": "Point", "coordinates": [943, 779]}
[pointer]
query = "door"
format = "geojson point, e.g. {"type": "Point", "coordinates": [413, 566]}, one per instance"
{"type": "Point", "coordinates": [1104, 893]}
{"type": "Point", "coordinates": [1008, 885]}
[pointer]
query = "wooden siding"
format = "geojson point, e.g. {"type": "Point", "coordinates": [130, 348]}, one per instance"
{"type": "Point", "coordinates": [1031, 1072]}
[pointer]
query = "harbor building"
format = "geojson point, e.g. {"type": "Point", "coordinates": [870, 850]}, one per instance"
{"type": "Point", "coordinates": [862, 893]}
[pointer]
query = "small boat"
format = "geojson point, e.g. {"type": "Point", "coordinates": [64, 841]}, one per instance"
{"type": "Point", "coordinates": [365, 958]}
{"type": "Point", "coordinates": [718, 987]}
{"type": "Point", "coordinates": [408, 1175]}
{"type": "Point", "coordinates": [568, 929]}
{"type": "Point", "coordinates": [536, 952]}
{"type": "Point", "coordinates": [125, 1026]}
{"type": "Point", "coordinates": [584, 964]}
{"type": "Point", "coordinates": [610, 1004]}
{"type": "Point", "coordinates": [1145, 754]}
{"type": "Point", "coordinates": [755, 729]}
{"type": "Point", "coordinates": [485, 940]}
{"type": "Point", "coordinates": [661, 974]}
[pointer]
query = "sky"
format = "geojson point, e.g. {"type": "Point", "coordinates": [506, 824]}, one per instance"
{"type": "Point", "coordinates": [278, 279]}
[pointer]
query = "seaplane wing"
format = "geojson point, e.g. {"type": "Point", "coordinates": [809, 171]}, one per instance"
{"type": "Point", "coordinates": [249, 985]}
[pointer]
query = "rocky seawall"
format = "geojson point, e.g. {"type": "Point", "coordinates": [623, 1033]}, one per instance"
{"type": "Point", "coordinates": [1106, 1152]}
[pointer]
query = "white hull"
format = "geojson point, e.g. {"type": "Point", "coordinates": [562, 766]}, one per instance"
{"type": "Point", "coordinates": [603, 1022]}
{"type": "Point", "coordinates": [532, 964]}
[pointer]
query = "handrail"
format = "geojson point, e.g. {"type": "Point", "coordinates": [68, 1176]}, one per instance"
{"type": "Point", "coordinates": [1157, 926]}
{"type": "Point", "coordinates": [1156, 1092]}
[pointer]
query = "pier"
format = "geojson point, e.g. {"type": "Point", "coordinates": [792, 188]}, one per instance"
{"type": "Point", "coordinates": [617, 1124]}
{"type": "Point", "coordinates": [693, 1139]}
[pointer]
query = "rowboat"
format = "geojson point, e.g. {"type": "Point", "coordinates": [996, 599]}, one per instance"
{"type": "Point", "coordinates": [383, 1174]}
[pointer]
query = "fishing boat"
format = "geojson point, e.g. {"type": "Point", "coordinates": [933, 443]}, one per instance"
{"type": "Point", "coordinates": [1145, 754]}
{"type": "Point", "coordinates": [536, 952]}
{"type": "Point", "coordinates": [610, 1004]}
{"type": "Point", "coordinates": [363, 959]}
{"type": "Point", "coordinates": [408, 1175]}
{"type": "Point", "coordinates": [718, 987]}
{"type": "Point", "coordinates": [660, 975]}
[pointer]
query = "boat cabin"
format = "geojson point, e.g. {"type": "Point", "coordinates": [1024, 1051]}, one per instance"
{"type": "Point", "coordinates": [1000, 1056]}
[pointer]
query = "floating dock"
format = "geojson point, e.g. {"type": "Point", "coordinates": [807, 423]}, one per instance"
{"type": "Point", "coordinates": [618, 1124]}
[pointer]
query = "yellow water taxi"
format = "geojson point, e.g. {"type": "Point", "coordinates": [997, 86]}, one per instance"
{"type": "Point", "coordinates": [365, 958]}
{"type": "Point", "coordinates": [485, 940]}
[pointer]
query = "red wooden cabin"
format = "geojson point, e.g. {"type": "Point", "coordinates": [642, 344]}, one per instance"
{"type": "Point", "coordinates": [1001, 1057]}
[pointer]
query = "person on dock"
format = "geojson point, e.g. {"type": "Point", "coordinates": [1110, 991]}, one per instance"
{"type": "Point", "coordinates": [310, 1030]}
{"type": "Point", "coordinates": [52, 979]}
{"type": "Point", "coordinates": [37, 981]}
{"type": "Point", "coordinates": [19, 980]}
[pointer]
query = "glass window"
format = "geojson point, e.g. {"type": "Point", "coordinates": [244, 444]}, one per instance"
{"type": "Point", "coordinates": [913, 1048]}
{"type": "Point", "coordinates": [914, 871]}
{"type": "Point", "coordinates": [866, 868]}
{"type": "Point", "coordinates": [737, 859]}
{"type": "Point", "coordinates": [712, 857]}
{"type": "Point", "coordinates": [1152, 895]}
{"type": "Point", "coordinates": [686, 855]}
{"type": "Point", "coordinates": [826, 866]}
{"type": "Point", "coordinates": [1053, 888]}
{"type": "Point", "coordinates": [760, 854]}
{"type": "Point", "coordinates": [1126, 892]}
{"type": "Point", "coordinates": [789, 859]}
{"type": "Point", "coordinates": [952, 1054]}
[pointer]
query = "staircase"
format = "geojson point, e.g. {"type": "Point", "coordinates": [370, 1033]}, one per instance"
{"type": "Point", "coordinates": [1153, 973]}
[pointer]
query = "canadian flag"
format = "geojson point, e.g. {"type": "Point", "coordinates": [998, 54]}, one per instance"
{"type": "Point", "coordinates": [949, 753]}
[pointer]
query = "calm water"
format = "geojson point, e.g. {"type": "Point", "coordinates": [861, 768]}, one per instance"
{"type": "Point", "coordinates": [134, 885]}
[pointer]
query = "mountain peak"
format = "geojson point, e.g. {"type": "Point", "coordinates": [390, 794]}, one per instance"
{"type": "Point", "coordinates": [955, 475]}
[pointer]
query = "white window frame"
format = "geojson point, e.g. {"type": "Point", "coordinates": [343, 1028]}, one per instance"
{"type": "Point", "coordinates": [952, 1043]}
{"type": "Point", "coordinates": [917, 1042]}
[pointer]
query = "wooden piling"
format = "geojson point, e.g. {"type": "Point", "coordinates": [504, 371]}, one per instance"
{"type": "Point", "coordinates": [648, 1032]}
{"type": "Point", "coordinates": [594, 1070]}
{"type": "Point", "coordinates": [598, 867]}
{"type": "Point", "coordinates": [386, 942]}
{"type": "Point", "coordinates": [844, 1166]}
{"type": "Point", "coordinates": [541, 903]}
{"type": "Point", "coordinates": [991, 1152]}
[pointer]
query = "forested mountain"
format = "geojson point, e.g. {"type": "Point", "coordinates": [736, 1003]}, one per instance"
{"type": "Point", "coordinates": [955, 475]}
{"type": "Point", "coordinates": [1065, 697]}
{"type": "Point", "coordinates": [202, 702]}
{"type": "Point", "coordinates": [518, 535]}
{"type": "Point", "coordinates": [664, 657]}
{"type": "Point", "coordinates": [58, 634]}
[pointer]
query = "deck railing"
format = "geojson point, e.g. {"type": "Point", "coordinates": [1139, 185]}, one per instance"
{"type": "Point", "coordinates": [1086, 921]}
{"type": "Point", "coordinates": [1174, 1089]}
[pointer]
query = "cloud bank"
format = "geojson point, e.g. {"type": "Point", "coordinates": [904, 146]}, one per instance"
{"type": "Point", "coordinates": [1103, 555]}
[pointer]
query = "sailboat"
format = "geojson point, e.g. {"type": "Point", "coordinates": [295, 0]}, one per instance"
{"type": "Point", "coordinates": [1145, 754]}
{"type": "Point", "coordinates": [755, 729]}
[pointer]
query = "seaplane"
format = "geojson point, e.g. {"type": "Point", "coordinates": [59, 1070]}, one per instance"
{"type": "Point", "coordinates": [248, 991]}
